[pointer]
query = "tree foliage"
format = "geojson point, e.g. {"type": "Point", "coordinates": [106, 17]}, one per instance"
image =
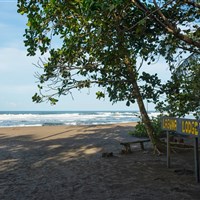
{"type": "Point", "coordinates": [98, 37]}
{"type": "Point", "coordinates": [183, 90]}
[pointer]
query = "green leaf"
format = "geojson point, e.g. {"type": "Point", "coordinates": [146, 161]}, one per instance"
{"type": "Point", "coordinates": [128, 103]}
{"type": "Point", "coordinates": [100, 95]}
{"type": "Point", "coordinates": [28, 23]}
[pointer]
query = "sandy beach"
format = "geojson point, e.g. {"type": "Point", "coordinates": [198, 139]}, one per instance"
{"type": "Point", "coordinates": [66, 163]}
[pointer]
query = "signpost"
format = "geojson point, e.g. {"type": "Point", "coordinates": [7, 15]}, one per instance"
{"type": "Point", "coordinates": [183, 127]}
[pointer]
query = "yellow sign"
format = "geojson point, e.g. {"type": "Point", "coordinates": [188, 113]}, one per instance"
{"type": "Point", "coordinates": [182, 126]}
{"type": "Point", "coordinates": [170, 124]}
{"type": "Point", "coordinates": [189, 127]}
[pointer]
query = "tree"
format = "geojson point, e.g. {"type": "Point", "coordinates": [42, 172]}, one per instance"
{"type": "Point", "coordinates": [183, 90]}
{"type": "Point", "coordinates": [101, 41]}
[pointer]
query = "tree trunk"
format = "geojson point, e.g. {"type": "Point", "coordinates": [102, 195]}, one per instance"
{"type": "Point", "coordinates": [158, 147]}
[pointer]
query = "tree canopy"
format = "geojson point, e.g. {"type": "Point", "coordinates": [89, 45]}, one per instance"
{"type": "Point", "coordinates": [98, 37]}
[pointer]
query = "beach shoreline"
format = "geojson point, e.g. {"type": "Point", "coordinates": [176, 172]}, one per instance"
{"type": "Point", "coordinates": [65, 162]}
{"type": "Point", "coordinates": [51, 118]}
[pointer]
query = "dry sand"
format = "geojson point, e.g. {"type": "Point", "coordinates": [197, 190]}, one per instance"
{"type": "Point", "coordinates": [66, 163]}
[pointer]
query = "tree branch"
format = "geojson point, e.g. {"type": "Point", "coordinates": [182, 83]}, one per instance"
{"type": "Point", "coordinates": [192, 3]}
{"type": "Point", "coordinates": [165, 23]}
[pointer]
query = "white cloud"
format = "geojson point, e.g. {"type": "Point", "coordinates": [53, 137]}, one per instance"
{"type": "Point", "coordinates": [3, 26]}
{"type": "Point", "coordinates": [17, 89]}
{"type": "Point", "coordinates": [16, 64]}
{"type": "Point", "coordinates": [12, 104]}
{"type": "Point", "coordinates": [12, 59]}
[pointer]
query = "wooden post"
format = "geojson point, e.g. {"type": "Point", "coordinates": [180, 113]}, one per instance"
{"type": "Point", "coordinates": [196, 159]}
{"type": "Point", "coordinates": [168, 150]}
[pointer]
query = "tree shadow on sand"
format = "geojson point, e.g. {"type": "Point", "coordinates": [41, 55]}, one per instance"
{"type": "Point", "coordinates": [58, 167]}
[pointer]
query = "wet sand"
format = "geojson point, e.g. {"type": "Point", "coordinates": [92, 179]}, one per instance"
{"type": "Point", "coordinates": [66, 163]}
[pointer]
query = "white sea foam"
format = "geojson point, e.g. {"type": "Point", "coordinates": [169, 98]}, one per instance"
{"type": "Point", "coordinates": [38, 117]}
{"type": "Point", "coordinates": [154, 114]}
{"type": "Point", "coordinates": [10, 119]}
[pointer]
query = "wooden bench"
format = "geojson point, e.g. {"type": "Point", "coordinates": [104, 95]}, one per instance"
{"type": "Point", "coordinates": [127, 145]}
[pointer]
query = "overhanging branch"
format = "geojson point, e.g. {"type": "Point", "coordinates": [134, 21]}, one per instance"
{"type": "Point", "coordinates": [170, 28]}
{"type": "Point", "coordinates": [192, 3]}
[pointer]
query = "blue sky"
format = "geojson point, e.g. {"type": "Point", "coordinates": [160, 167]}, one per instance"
{"type": "Point", "coordinates": [17, 81]}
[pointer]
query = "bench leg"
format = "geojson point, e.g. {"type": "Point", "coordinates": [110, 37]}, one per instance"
{"type": "Point", "coordinates": [128, 148]}
{"type": "Point", "coordinates": [142, 145]}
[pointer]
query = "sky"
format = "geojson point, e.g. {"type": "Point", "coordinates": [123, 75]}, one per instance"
{"type": "Point", "coordinates": [18, 83]}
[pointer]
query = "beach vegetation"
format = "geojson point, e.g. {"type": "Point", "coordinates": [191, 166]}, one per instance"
{"type": "Point", "coordinates": [105, 43]}
{"type": "Point", "coordinates": [140, 129]}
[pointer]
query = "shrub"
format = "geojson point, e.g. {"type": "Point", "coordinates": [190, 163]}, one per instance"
{"type": "Point", "coordinates": [140, 130]}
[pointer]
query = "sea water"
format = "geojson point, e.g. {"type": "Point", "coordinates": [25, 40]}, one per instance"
{"type": "Point", "coordinates": [52, 118]}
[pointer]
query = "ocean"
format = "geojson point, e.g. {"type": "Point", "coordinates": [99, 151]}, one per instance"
{"type": "Point", "coordinates": [53, 118]}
